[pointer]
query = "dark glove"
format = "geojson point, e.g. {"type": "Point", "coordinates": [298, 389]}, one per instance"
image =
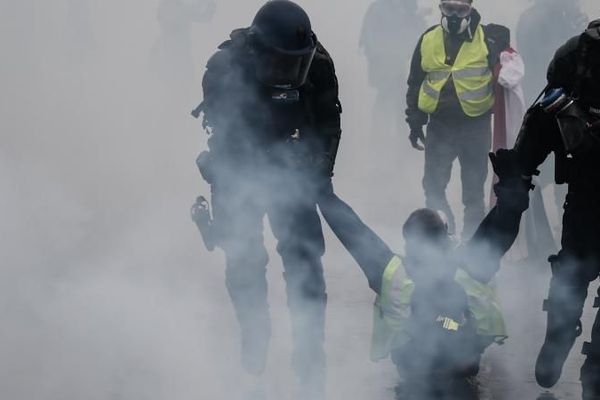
{"type": "Point", "coordinates": [512, 188]}
{"type": "Point", "coordinates": [415, 136]}
{"type": "Point", "coordinates": [507, 169]}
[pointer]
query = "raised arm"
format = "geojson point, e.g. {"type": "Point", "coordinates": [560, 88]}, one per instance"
{"type": "Point", "coordinates": [500, 228]}
{"type": "Point", "coordinates": [369, 250]}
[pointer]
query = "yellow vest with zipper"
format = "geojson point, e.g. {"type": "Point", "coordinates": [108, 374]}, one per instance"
{"type": "Point", "coordinates": [473, 80]}
{"type": "Point", "coordinates": [392, 311]}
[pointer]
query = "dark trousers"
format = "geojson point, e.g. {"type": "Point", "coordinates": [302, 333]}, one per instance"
{"type": "Point", "coordinates": [469, 140]}
{"type": "Point", "coordinates": [239, 207]}
{"type": "Point", "coordinates": [577, 265]}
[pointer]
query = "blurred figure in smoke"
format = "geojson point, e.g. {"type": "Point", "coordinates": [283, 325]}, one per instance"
{"type": "Point", "coordinates": [388, 28]}
{"type": "Point", "coordinates": [271, 104]}
{"type": "Point", "coordinates": [567, 123]}
{"type": "Point", "coordinates": [450, 88]}
{"type": "Point", "coordinates": [435, 312]}
{"type": "Point", "coordinates": [537, 41]}
{"type": "Point", "coordinates": [172, 53]}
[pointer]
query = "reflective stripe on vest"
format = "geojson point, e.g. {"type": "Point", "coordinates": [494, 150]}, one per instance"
{"type": "Point", "coordinates": [484, 305]}
{"type": "Point", "coordinates": [473, 80]}
{"type": "Point", "coordinates": [392, 310]}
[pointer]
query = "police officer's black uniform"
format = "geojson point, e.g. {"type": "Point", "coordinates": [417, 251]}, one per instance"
{"type": "Point", "coordinates": [568, 125]}
{"type": "Point", "coordinates": [271, 105]}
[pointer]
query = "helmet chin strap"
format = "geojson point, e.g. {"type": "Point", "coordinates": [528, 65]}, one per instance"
{"type": "Point", "coordinates": [464, 25]}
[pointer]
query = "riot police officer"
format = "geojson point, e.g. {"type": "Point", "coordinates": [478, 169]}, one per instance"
{"type": "Point", "coordinates": [537, 41]}
{"type": "Point", "coordinates": [567, 123]}
{"type": "Point", "coordinates": [271, 107]}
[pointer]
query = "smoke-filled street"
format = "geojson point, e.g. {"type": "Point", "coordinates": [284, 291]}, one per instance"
{"type": "Point", "coordinates": [106, 289]}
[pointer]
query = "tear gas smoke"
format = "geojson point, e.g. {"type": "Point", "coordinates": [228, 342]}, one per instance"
{"type": "Point", "coordinates": [106, 290]}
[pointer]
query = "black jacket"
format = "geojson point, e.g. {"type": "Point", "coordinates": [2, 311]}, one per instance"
{"type": "Point", "coordinates": [497, 39]}
{"type": "Point", "coordinates": [540, 134]}
{"type": "Point", "coordinates": [245, 118]}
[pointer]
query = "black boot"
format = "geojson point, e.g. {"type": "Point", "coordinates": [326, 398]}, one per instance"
{"type": "Point", "coordinates": [564, 307]}
{"type": "Point", "coordinates": [556, 348]}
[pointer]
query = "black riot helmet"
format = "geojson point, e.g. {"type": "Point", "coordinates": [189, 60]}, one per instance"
{"type": "Point", "coordinates": [283, 44]}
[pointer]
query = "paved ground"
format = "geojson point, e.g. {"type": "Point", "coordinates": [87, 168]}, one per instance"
{"type": "Point", "coordinates": [506, 373]}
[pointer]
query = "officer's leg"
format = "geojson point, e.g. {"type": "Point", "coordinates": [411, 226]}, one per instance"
{"type": "Point", "coordinates": [297, 227]}
{"type": "Point", "coordinates": [440, 153]}
{"type": "Point", "coordinates": [475, 142]}
{"type": "Point", "coordinates": [238, 219]}
{"type": "Point", "coordinates": [566, 298]}
{"type": "Point", "coordinates": [572, 271]}
{"type": "Point", "coordinates": [590, 372]}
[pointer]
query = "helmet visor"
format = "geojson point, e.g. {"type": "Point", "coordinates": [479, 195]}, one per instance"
{"type": "Point", "coordinates": [283, 70]}
{"type": "Point", "coordinates": [455, 9]}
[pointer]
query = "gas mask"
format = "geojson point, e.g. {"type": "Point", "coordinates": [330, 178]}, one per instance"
{"type": "Point", "coordinates": [456, 16]}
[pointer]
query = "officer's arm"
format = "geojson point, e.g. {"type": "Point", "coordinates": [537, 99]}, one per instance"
{"type": "Point", "coordinates": [327, 109]}
{"type": "Point", "coordinates": [369, 250]}
{"type": "Point", "coordinates": [414, 116]}
{"type": "Point", "coordinates": [498, 231]}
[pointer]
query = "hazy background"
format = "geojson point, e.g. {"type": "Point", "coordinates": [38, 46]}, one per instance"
{"type": "Point", "coordinates": [106, 291]}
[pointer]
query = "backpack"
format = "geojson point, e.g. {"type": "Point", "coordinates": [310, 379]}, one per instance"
{"type": "Point", "coordinates": [588, 58]}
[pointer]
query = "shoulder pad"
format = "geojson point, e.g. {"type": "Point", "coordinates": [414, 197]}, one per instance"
{"type": "Point", "coordinates": [220, 59]}
{"type": "Point", "coordinates": [323, 66]}
{"type": "Point", "coordinates": [322, 52]}
{"type": "Point", "coordinates": [225, 45]}
{"type": "Point", "coordinates": [239, 38]}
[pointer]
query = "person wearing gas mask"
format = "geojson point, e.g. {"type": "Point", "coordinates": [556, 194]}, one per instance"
{"type": "Point", "coordinates": [451, 90]}
{"type": "Point", "coordinates": [272, 110]}
{"type": "Point", "coordinates": [567, 123]}
{"type": "Point", "coordinates": [436, 311]}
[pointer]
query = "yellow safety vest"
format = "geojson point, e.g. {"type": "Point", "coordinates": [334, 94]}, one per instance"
{"type": "Point", "coordinates": [471, 74]}
{"type": "Point", "coordinates": [392, 310]}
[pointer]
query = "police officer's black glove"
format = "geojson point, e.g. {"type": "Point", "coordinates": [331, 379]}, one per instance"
{"type": "Point", "coordinates": [512, 188]}
{"type": "Point", "coordinates": [415, 136]}
{"type": "Point", "coordinates": [506, 168]}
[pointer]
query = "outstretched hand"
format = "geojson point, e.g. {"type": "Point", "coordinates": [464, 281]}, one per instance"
{"type": "Point", "coordinates": [507, 169]}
